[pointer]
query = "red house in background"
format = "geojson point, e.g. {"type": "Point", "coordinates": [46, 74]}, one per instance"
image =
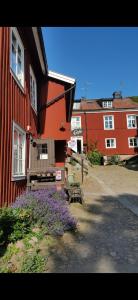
{"type": "Point", "coordinates": [109, 123]}
{"type": "Point", "coordinates": [56, 111]}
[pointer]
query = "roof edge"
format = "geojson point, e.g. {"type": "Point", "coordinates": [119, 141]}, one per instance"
{"type": "Point", "coordinates": [61, 77]}
{"type": "Point", "coordinates": [38, 37]}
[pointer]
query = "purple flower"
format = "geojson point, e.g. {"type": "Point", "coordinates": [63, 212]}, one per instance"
{"type": "Point", "coordinates": [49, 208]}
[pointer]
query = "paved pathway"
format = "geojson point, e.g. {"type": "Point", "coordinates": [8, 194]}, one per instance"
{"type": "Point", "coordinates": [107, 235]}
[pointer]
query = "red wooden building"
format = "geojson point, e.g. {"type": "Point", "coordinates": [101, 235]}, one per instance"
{"type": "Point", "coordinates": [111, 124]}
{"type": "Point", "coordinates": [56, 111]}
{"type": "Point", "coordinates": [27, 91]}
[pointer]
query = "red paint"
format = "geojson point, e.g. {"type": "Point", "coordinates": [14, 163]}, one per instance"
{"type": "Point", "coordinates": [54, 123]}
{"type": "Point", "coordinates": [15, 105]}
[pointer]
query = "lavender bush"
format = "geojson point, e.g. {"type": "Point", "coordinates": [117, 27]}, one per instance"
{"type": "Point", "coordinates": [49, 208]}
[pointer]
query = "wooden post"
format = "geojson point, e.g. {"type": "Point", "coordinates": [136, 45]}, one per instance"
{"type": "Point", "coordinates": [82, 169]}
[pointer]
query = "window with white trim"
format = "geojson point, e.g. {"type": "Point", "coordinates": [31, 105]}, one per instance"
{"type": "Point", "coordinates": [133, 142]}
{"type": "Point", "coordinates": [108, 122]}
{"type": "Point", "coordinates": [19, 146]}
{"type": "Point", "coordinates": [131, 121]}
{"type": "Point", "coordinates": [75, 122]}
{"type": "Point", "coordinates": [110, 143]}
{"type": "Point", "coordinates": [17, 56]}
{"type": "Point", "coordinates": [33, 89]}
{"type": "Point", "coordinates": [107, 104]}
{"type": "Point", "coordinates": [76, 105]}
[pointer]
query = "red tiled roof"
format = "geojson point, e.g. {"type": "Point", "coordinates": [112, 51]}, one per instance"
{"type": "Point", "coordinates": [117, 103]}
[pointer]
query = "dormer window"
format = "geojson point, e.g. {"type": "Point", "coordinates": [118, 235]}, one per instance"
{"type": "Point", "coordinates": [107, 104]}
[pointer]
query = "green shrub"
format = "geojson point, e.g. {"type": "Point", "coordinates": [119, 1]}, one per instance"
{"type": "Point", "coordinates": [33, 263]}
{"type": "Point", "coordinates": [14, 224]}
{"type": "Point", "coordinates": [95, 157]}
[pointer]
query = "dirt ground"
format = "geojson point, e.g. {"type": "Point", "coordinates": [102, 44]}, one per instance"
{"type": "Point", "coordinates": [106, 240]}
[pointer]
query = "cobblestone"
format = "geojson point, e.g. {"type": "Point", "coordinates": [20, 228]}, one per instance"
{"type": "Point", "coordinates": [107, 239]}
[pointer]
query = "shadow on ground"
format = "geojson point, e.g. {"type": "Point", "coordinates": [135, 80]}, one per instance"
{"type": "Point", "coordinates": [106, 240]}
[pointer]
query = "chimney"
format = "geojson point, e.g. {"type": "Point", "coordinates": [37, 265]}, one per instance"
{"type": "Point", "coordinates": [117, 95]}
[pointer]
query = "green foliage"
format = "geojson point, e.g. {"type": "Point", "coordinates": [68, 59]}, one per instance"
{"type": "Point", "coordinates": [72, 162]}
{"type": "Point", "coordinates": [134, 98]}
{"type": "Point", "coordinates": [94, 157]}
{"type": "Point", "coordinates": [33, 263]}
{"type": "Point", "coordinates": [14, 224]}
{"type": "Point", "coordinates": [5, 266]}
{"type": "Point", "coordinates": [75, 184]}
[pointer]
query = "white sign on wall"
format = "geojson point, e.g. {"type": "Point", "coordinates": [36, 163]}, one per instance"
{"type": "Point", "coordinates": [73, 144]}
{"type": "Point", "coordinates": [58, 175]}
{"type": "Point", "coordinates": [43, 156]}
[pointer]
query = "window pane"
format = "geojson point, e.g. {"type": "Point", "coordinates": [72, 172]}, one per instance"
{"type": "Point", "coordinates": [135, 142]}
{"type": "Point", "coordinates": [18, 153]}
{"type": "Point", "coordinates": [112, 143]}
{"type": "Point", "coordinates": [20, 167]}
{"type": "Point", "coordinates": [13, 59]}
{"type": "Point", "coordinates": [44, 148]}
{"type": "Point", "coordinates": [15, 152]}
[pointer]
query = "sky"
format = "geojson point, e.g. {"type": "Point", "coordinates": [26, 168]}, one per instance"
{"type": "Point", "coordinates": [101, 59]}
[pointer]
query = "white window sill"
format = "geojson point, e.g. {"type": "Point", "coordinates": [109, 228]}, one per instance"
{"type": "Point", "coordinates": [17, 81]}
{"type": "Point", "coordinates": [133, 147]}
{"type": "Point", "coordinates": [108, 128]}
{"type": "Point", "coordinates": [17, 178]}
{"type": "Point", "coordinates": [132, 127]}
{"type": "Point", "coordinates": [110, 147]}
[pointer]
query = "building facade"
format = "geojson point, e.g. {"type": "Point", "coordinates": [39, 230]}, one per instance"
{"type": "Point", "coordinates": [110, 125]}
{"type": "Point", "coordinates": [56, 112]}
{"type": "Point", "coordinates": [26, 86]}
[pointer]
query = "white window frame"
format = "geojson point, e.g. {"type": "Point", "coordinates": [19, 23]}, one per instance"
{"type": "Point", "coordinates": [131, 115]}
{"type": "Point", "coordinates": [112, 122]}
{"type": "Point", "coordinates": [107, 104]}
{"type": "Point", "coordinates": [33, 103]}
{"type": "Point", "coordinates": [79, 122]}
{"type": "Point", "coordinates": [110, 139]}
{"type": "Point", "coordinates": [19, 176]}
{"type": "Point", "coordinates": [76, 105]}
{"type": "Point", "coordinates": [133, 139]}
{"type": "Point", "coordinates": [19, 79]}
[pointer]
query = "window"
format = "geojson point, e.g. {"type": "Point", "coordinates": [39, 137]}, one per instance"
{"type": "Point", "coordinates": [17, 56]}
{"type": "Point", "coordinates": [76, 105]}
{"type": "Point", "coordinates": [110, 143]}
{"type": "Point", "coordinates": [75, 122]}
{"type": "Point", "coordinates": [108, 122]}
{"type": "Point", "coordinates": [131, 121]}
{"type": "Point", "coordinates": [19, 144]}
{"type": "Point", "coordinates": [107, 104]}
{"type": "Point", "coordinates": [33, 89]}
{"type": "Point", "coordinates": [42, 151]}
{"type": "Point", "coordinates": [133, 142]}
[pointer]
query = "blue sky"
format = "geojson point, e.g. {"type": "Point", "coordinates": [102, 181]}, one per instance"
{"type": "Point", "coordinates": [102, 59]}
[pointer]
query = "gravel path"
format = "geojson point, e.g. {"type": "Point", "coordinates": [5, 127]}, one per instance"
{"type": "Point", "coordinates": [107, 236]}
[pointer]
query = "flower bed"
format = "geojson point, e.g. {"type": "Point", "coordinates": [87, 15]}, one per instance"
{"type": "Point", "coordinates": [49, 208]}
